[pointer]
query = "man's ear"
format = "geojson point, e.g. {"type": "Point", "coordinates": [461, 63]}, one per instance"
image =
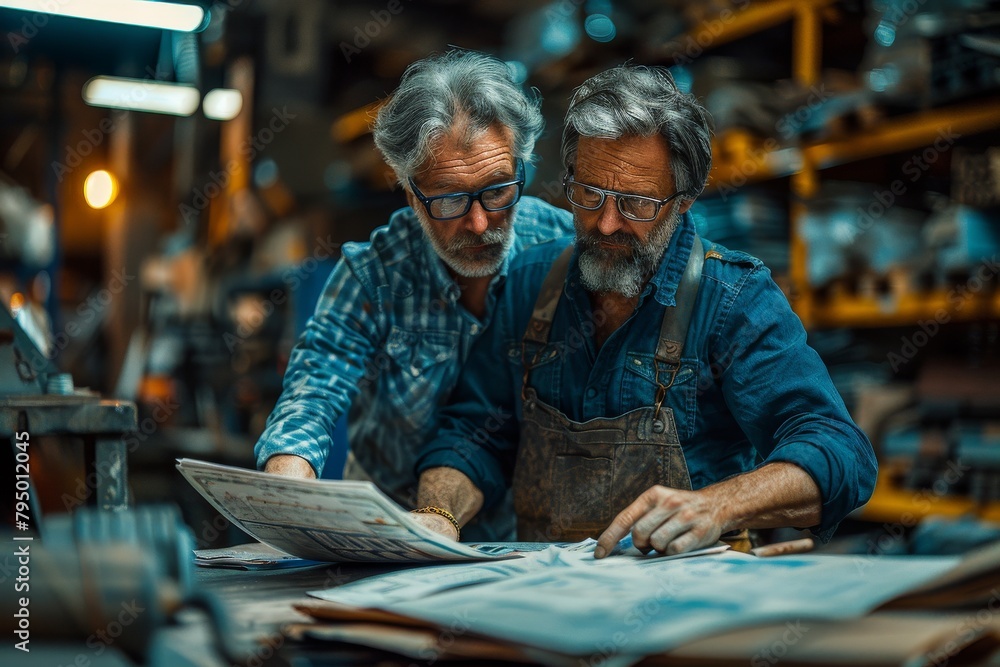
{"type": "Point", "coordinates": [685, 205]}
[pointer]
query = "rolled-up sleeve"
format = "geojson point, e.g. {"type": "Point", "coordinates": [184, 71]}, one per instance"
{"type": "Point", "coordinates": [781, 394]}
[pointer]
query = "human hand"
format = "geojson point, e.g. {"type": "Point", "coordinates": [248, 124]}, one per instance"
{"type": "Point", "coordinates": [667, 520]}
{"type": "Point", "coordinates": [290, 465]}
{"type": "Point", "coordinates": [438, 524]}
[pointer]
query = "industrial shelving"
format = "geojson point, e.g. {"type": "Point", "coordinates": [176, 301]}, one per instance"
{"type": "Point", "coordinates": [751, 162]}
{"type": "Point", "coordinates": [741, 159]}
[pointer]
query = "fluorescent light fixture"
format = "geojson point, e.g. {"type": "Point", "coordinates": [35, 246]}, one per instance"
{"type": "Point", "coordinates": [141, 95]}
{"type": "Point", "coordinates": [164, 15]}
{"type": "Point", "coordinates": [222, 104]}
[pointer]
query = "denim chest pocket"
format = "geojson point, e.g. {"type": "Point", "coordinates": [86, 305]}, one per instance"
{"type": "Point", "coordinates": [639, 385]}
{"type": "Point", "coordinates": [423, 372]}
{"type": "Point", "coordinates": [546, 366]}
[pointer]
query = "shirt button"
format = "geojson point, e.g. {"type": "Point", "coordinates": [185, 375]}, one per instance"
{"type": "Point", "coordinates": [637, 362]}
{"type": "Point", "coordinates": [591, 393]}
{"type": "Point", "coordinates": [474, 329]}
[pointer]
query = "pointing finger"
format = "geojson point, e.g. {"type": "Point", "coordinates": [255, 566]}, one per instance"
{"type": "Point", "coordinates": [622, 524]}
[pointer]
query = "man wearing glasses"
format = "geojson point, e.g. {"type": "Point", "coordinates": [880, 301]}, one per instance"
{"type": "Point", "coordinates": [660, 383]}
{"type": "Point", "coordinates": [399, 314]}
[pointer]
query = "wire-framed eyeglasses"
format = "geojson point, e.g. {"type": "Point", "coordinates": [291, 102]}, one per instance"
{"type": "Point", "coordinates": [634, 207]}
{"type": "Point", "coordinates": [453, 205]}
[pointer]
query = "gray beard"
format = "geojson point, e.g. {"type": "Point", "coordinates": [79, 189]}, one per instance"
{"type": "Point", "coordinates": [622, 272]}
{"type": "Point", "coordinates": [453, 253]}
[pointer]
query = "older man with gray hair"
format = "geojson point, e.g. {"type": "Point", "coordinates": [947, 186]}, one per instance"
{"type": "Point", "coordinates": [661, 384]}
{"type": "Point", "coordinates": [400, 313]}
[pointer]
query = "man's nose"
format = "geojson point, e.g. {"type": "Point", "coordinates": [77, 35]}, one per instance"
{"type": "Point", "coordinates": [609, 218]}
{"type": "Point", "coordinates": [476, 220]}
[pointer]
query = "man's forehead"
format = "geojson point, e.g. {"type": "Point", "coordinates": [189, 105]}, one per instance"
{"type": "Point", "coordinates": [626, 159]}
{"type": "Point", "coordinates": [462, 155]}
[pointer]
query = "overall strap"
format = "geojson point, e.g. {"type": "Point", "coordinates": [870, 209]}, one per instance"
{"type": "Point", "coordinates": [540, 325]}
{"type": "Point", "coordinates": [674, 327]}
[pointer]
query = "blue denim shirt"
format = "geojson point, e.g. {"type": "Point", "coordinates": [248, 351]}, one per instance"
{"type": "Point", "coordinates": [750, 390]}
{"type": "Point", "coordinates": [387, 340]}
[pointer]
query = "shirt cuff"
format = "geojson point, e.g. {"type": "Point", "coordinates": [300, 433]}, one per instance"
{"type": "Point", "coordinates": [287, 443]}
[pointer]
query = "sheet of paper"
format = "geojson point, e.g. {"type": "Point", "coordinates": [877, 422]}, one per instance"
{"type": "Point", "coordinates": [640, 607]}
{"type": "Point", "coordinates": [403, 585]}
{"type": "Point", "coordinates": [394, 587]}
{"type": "Point", "coordinates": [322, 520]}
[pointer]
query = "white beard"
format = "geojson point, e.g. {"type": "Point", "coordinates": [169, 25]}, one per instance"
{"type": "Point", "coordinates": [452, 253]}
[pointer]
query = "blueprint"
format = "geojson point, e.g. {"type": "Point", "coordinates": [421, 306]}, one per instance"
{"type": "Point", "coordinates": [408, 585]}
{"type": "Point", "coordinates": [639, 607]}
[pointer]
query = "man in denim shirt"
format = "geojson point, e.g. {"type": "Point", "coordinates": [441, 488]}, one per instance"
{"type": "Point", "coordinates": [656, 382]}
{"type": "Point", "coordinates": [399, 314]}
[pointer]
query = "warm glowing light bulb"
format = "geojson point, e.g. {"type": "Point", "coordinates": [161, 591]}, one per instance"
{"type": "Point", "coordinates": [16, 302]}
{"type": "Point", "coordinates": [100, 189]}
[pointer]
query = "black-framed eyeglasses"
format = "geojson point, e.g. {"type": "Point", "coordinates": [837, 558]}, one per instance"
{"type": "Point", "coordinates": [453, 205]}
{"type": "Point", "coordinates": [634, 207]}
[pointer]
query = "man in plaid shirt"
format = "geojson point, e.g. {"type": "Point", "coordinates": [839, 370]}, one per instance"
{"type": "Point", "coordinates": [399, 314]}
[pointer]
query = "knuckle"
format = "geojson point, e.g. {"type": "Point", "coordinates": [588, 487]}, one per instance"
{"type": "Point", "coordinates": [688, 515]}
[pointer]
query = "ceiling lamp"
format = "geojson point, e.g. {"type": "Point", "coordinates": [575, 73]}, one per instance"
{"type": "Point", "coordinates": [163, 15]}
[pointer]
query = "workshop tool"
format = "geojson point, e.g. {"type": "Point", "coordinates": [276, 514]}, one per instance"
{"type": "Point", "coordinates": [112, 581]}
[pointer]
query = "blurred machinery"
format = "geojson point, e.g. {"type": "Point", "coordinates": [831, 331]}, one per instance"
{"type": "Point", "coordinates": [117, 589]}
{"type": "Point", "coordinates": [938, 443]}
{"type": "Point", "coordinates": [933, 52]}
{"type": "Point", "coordinates": [38, 400]}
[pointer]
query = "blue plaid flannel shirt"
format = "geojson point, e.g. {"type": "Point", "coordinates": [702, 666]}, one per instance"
{"type": "Point", "coordinates": [387, 342]}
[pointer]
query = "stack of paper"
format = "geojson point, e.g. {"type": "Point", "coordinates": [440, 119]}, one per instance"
{"type": "Point", "coordinates": [253, 556]}
{"type": "Point", "coordinates": [561, 606]}
{"type": "Point", "coordinates": [724, 608]}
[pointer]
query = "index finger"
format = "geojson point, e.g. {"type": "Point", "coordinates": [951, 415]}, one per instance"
{"type": "Point", "coordinates": [622, 524]}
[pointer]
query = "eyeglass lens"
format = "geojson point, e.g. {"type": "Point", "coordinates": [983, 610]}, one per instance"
{"type": "Point", "coordinates": [494, 199]}
{"type": "Point", "coordinates": [631, 206]}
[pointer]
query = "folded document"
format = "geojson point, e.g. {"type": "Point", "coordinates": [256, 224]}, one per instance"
{"type": "Point", "coordinates": [323, 520]}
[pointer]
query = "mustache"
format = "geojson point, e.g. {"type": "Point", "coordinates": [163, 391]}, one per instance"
{"type": "Point", "coordinates": [492, 236]}
{"type": "Point", "coordinates": [593, 240]}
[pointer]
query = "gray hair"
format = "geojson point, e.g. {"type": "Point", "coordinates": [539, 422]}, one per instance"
{"type": "Point", "coordinates": [439, 92]}
{"type": "Point", "coordinates": [635, 100]}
